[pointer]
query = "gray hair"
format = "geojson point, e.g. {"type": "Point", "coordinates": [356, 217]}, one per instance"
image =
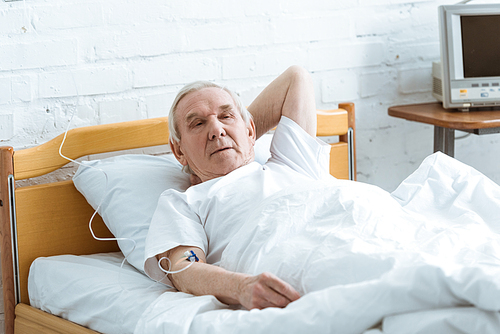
{"type": "Point", "coordinates": [194, 87]}
{"type": "Point", "coordinates": [173, 128]}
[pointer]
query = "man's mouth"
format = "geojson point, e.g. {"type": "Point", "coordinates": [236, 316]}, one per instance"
{"type": "Point", "coordinates": [221, 150]}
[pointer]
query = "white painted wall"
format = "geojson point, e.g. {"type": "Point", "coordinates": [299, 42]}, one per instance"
{"type": "Point", "coordinates": [118, 60]}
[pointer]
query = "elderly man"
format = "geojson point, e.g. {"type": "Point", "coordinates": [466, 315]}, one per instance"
{"type": "Point", "coordinates": [212, 136]}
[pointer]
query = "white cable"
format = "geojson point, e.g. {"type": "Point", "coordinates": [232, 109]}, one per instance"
{"type": "Point", "coordinates": [102, 199]}
{"type": "Point", "coordinates": [168, 272]}
{"type": "Point", "coordinates": [99, 206]}
{"type": "Point", "coordinates": [134, 244]}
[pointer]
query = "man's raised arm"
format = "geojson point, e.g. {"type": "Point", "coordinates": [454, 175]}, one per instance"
{"type": "Point", "coordinates": [291, 95]}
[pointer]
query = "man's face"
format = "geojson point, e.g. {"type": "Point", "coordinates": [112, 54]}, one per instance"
{"type": "Point", "coordinates": [214, 137]}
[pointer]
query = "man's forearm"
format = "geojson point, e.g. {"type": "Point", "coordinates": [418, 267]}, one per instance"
{"type": "Point", "coordinates": [205, 279]}
{"type": "Point", "coordinates": [260, 291]}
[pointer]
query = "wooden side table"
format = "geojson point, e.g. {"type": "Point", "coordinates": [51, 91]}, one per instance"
{"type": "Point", "coordinates": [446, 122]}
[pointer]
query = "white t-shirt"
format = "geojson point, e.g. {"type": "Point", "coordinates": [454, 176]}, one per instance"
{"type": "Point", "coordinates": [209, 214]}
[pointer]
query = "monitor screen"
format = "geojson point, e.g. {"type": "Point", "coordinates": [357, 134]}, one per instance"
{"type": "Point", "coordinates": [481, 45]}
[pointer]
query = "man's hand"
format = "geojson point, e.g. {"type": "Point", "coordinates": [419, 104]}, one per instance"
{"type": "Point", "coordinates": [266, 290]}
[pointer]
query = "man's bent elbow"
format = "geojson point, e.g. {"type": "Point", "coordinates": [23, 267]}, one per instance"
{"type": "Point", "coordinates": [299, 72]}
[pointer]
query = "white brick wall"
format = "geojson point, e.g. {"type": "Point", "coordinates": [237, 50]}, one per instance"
{"type": "Point", "coordinates": [113, 60]}
{"type": "Point", "coordinates": [117, 60]}
{"type": "Point", "coordinates": [29, 52]}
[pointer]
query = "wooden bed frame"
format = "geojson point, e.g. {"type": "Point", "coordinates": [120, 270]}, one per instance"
{"type": "Point", "coordinates": [34, 219]}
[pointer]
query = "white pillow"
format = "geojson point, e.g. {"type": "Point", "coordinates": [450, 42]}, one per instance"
{"type": "Point", "coordinates": [262, 148]}
{"type": "Point", "coordinates": [134, 184]}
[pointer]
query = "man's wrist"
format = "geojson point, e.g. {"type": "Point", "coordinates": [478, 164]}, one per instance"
{"type": "Point", "coordinates": [231, 288]}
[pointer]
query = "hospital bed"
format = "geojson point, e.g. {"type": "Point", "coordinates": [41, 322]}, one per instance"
{"type": "Point", "coordinates": [52, 219]}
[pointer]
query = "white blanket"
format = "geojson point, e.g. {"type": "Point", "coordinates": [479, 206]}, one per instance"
{"type": "Point", "coordinates": [362, 257]}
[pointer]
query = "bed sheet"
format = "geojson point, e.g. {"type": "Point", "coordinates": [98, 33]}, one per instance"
{"type": "Point", "coordinates": [93, 291]}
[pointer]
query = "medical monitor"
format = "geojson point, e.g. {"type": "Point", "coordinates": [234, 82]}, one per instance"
{"type": "Point", "coordinates": [469, 73]}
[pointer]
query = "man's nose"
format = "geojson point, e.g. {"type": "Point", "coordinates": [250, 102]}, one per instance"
{"type": "Point", "coordinates": [216, 130]}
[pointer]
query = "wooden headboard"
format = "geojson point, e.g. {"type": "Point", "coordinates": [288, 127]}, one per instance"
{"type": "Point", "coordinates": [52, 218]}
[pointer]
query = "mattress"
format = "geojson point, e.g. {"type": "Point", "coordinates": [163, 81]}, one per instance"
{"type": "Point", "coordinates": [94, 291]}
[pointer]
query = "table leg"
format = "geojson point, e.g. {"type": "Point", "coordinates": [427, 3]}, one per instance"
{"type": "Point", "coordinates": [444, 140]}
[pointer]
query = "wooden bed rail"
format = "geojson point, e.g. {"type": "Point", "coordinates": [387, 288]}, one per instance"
{"type": "Point", "coordinates": [83, 141]}
{"type": "Point", "coordinates": [45, 158]}
{"type": "Point", "coordinates": [350, 136]}
{"type": "Point", "coordinates": [26, 213]}
{"type": "Point", "coordinates": [6, 196]}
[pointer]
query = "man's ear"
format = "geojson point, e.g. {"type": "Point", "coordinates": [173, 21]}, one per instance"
{"type": "Point", "coordinates": [176, 149]}
{"type": "Point", "coordinates": [251, 130]}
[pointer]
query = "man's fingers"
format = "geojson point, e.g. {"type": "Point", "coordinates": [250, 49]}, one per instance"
{"type": "Point", "coordinates": [283, 288]}
{"type": "Point", "coordinates": [277, 299]}
{"type": "Point", "coordinates": [280, 293]}
{"type": "Point", "coordinates": [267, 290]}
{"type": "Point", "coordinates": [264, 296]}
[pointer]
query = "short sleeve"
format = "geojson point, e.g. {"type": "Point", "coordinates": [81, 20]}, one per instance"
{"type": "Point", "coordinates": [294, 147]}
{"type": "Point", "coordinates": [174, 223]}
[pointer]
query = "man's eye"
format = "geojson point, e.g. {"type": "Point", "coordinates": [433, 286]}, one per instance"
{"type": "Point", "coordinates": [196, 124]}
